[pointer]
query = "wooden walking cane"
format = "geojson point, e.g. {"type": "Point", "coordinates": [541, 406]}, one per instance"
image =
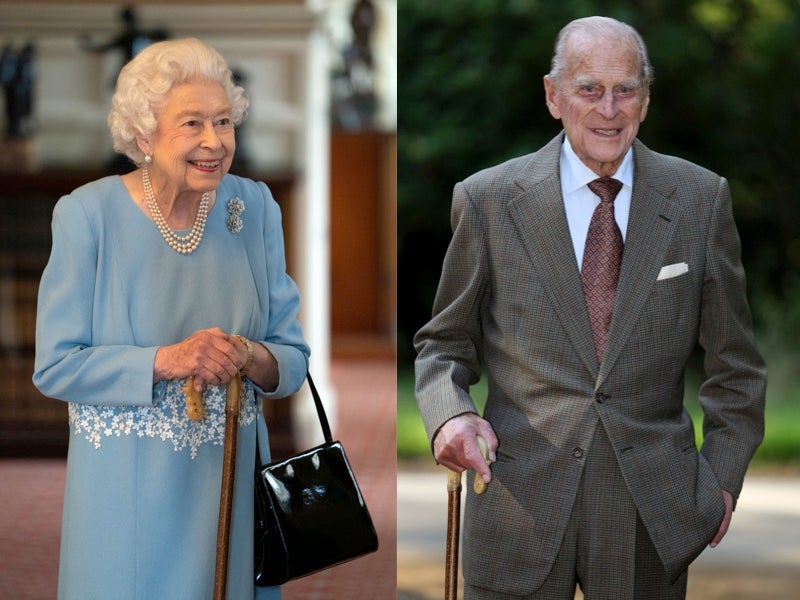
{"type": "Point", "coordinates": [454, 522]}
{"type": "Point", "coordinates": [226, 490]}
{"type": "Point", "coordinates": [453, 531]}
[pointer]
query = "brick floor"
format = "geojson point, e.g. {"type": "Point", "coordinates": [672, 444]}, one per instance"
{"type": "Point", "coordinates": [367, 427]}
{"type": "Point", "coordinates": [32, 489]}
{"type": "Point", "coordinates": [31, 496]}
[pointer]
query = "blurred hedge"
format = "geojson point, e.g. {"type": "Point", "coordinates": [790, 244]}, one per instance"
{"type": "Point", "coordinates": [725, 96]}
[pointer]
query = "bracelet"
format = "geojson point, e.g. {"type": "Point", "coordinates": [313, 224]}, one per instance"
{"type": "Point", "coordinates": [249, 362]}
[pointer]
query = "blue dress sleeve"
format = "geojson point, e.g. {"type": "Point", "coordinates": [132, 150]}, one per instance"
{"type": "Point", "coordinates": [284, 338]}
{"type": "Point", "coordinates": [69, 364]}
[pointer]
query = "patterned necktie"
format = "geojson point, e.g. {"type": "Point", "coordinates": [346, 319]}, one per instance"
{"type": "Point", "coordinates": [601, 259]}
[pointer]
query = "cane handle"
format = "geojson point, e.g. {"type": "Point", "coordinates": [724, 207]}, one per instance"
{"type": "Point", "coordinates": [479, 485]}
{"type": "Point", "coordinates": [194, 400]}
{"type": "Point", "coordinates": [453, 481]}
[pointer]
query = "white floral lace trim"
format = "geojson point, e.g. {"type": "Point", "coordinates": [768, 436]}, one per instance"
{"type": "Point", "coordinates": [165, 420]}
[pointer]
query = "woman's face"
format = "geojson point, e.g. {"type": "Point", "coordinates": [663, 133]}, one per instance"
{"type": "Point", "coordinates": [194, 142]}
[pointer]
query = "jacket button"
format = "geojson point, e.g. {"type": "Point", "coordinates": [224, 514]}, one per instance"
{"type": "Point", "coordinates": [601, 398]}
{"type": "Point", "coordinates": [577, 452]}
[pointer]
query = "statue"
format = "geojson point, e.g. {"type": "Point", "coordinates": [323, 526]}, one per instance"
{"type": "Point", "coordinates": [362, 20]}
{"type": "Point", "coordinates": [130, 41]}
{"type": "Point", "coordinates": [17, 72]}
{"type": "Point", "coordinates": [353, 82]}
{"type": "Point", "coordinates": [241, 159]}
{"type": "Point", "coordinates": [17, 77]}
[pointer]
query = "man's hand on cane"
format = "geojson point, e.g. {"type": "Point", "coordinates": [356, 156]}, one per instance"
{"type": "Point", "coordinates": [464, 442]}
{"type": "Point", "coordinates": [456, 445]}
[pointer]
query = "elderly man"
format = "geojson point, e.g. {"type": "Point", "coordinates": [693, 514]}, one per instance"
{"type": "Point", "coordinates": [580, 278]}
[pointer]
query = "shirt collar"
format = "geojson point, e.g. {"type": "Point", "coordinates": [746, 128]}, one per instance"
{"type": "Point", "coordinates": [575, 174]}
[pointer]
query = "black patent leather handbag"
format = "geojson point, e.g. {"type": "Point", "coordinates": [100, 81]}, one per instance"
{"type": "Point", "coordinates": [309, 512]}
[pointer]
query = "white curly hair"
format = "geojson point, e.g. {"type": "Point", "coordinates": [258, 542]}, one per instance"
{"type": "Point", "coordinates": [143, 85]}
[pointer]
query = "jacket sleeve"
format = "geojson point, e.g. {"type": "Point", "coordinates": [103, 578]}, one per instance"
{"type": "Point", "coordinates": [733, 395]}
{"type": "Point", "coordinates": [448, 346]}
{"type": "Point", "coordinates": [284, 336]}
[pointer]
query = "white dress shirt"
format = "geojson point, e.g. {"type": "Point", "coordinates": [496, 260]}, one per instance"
{"type": "Point", "coordinates": [580, 201]}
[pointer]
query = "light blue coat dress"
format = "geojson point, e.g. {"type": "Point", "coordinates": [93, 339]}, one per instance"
{"type": "Point", "coordinates": [143, 481]}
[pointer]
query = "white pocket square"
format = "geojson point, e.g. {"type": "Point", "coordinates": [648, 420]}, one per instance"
{"type": "Point", "coordinates": [669, 271]}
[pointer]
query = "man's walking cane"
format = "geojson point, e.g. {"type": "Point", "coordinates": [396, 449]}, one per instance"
{"type": "Point", "coordinates": [453, 531]}
{"type": "Point", "coordinates": [196, 410]}
{"type": "Point", "coordinates": [454, 522]}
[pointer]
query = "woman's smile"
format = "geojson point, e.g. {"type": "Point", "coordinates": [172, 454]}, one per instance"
{"type": "Point", "coordinates": [209, 166]}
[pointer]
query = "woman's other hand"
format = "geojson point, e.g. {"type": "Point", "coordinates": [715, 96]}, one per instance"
{"type": "Point", "coordinates": [262, 368]}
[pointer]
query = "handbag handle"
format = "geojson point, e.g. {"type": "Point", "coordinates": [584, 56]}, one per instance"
{"type": "Point", "coordinates": [323, 418]}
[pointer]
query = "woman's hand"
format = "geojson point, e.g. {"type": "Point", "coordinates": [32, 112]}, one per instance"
{"type": "Point", "coordinates": [263, 368]}
{"type": "Point", "coordinates": [209, 355]}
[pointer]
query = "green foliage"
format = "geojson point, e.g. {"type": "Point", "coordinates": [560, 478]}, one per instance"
{"type": "Point", "coordinates": [782, 436]}
{"type": "Point", "coordinates": [412, 441]}
{"type": "Point", "coordinates": [782, 417]}
{"type": "Point", "coordinates": [471, 95]}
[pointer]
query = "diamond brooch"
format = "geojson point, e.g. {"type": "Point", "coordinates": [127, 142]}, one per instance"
{"type": "Point", "coordinates": [235, 209]}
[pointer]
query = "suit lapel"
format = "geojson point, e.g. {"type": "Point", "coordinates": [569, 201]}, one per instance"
{"type": "Point", "coordinates": [539, 216]}
{"type": "Point", "coordinates": [652, 221]}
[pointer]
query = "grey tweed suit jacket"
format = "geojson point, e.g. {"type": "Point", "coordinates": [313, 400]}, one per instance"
{"type": "Point", "coordinates": [510, 302]}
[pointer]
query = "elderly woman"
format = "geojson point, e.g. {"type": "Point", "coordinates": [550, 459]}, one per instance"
{"type": "Point", "coordinates": [173, 271]}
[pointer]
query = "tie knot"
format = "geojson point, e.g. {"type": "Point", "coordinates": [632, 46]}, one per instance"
{"type": "Point", "coordinates": [606, 187]}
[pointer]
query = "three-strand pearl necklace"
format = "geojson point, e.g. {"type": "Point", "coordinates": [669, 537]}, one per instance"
{"type": "Point", "coordinates": [183, 244]}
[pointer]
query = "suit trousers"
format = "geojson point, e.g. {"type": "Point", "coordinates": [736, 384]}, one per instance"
{"type": "Point", "coordinates": [606, 550]}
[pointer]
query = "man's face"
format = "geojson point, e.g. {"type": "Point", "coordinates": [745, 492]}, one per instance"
{"type": "Point", "coordinates": [600, 99]}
